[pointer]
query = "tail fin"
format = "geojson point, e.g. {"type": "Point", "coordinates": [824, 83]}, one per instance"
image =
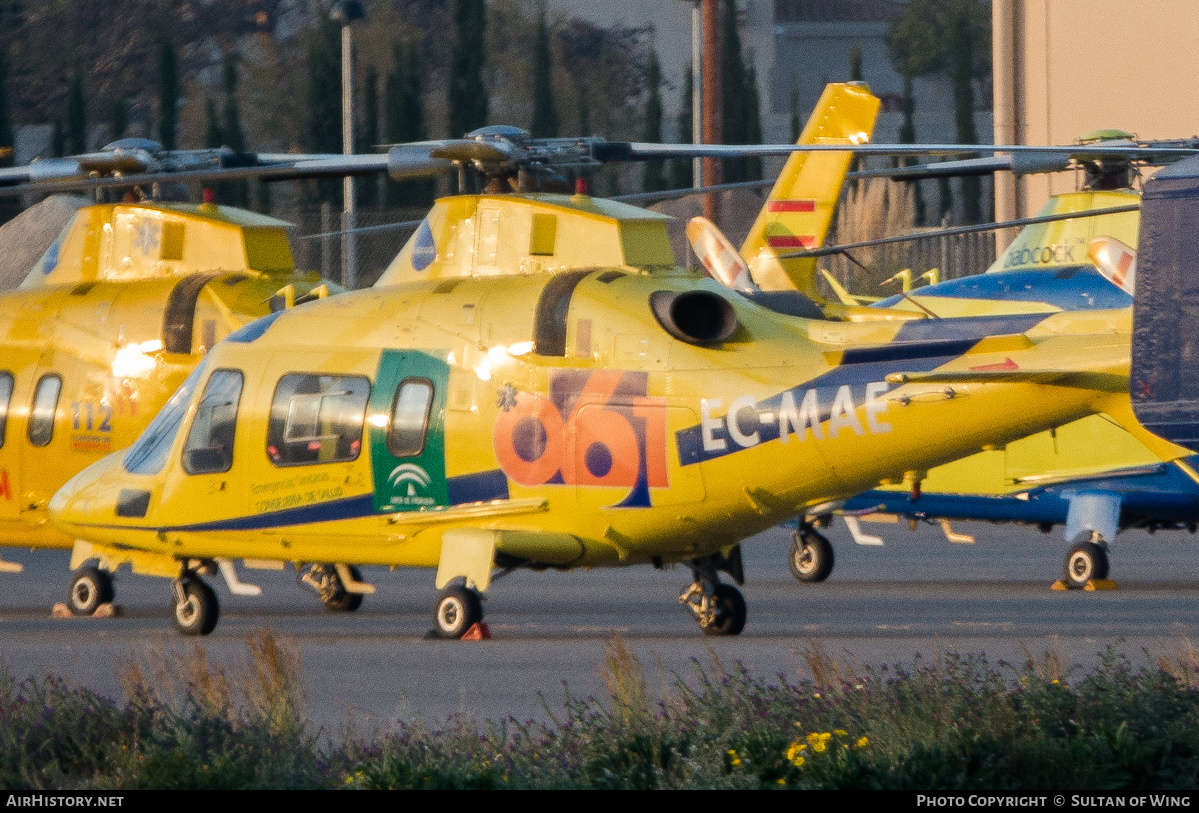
{"type": "Point", "coordinates": [1164, 380]}
{"type": "Point", "coordinates": [801, 204]}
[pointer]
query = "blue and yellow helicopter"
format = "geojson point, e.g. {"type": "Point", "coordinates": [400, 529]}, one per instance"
{"type": "Point", "coordinates": [1090, 475]}
{"type": "Point", "coordinates": [504, 399]}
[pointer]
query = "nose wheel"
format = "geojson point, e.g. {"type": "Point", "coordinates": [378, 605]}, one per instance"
{"type": "Point", "coordinates": [90, 587]}
{"type": "Point", "coordinates": [458, 609]}
{"type": "Point", "coordinates": [196, 607]}
{"type": "Point", "coordinates": [811, 556]}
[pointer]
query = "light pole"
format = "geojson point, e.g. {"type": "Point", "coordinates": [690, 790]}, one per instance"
{"type": "Point", "coordinates": [697, 91]}
{"type": "Point", "coordinates": [347, 12]}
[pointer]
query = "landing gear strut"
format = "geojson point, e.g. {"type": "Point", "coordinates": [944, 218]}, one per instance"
{"type": "Point", "coordinates": [90, 588]}
{"type": "Point", "coordinates": [811, 557]}
{"type": "Point", "coordinates": [196, 607]}
{"type": "Point", "coordinates": [719, 608]}
{"type": "Point", "coordinates": [1084, 562]}
{"type": "Point", "coordinates": [329, 589]}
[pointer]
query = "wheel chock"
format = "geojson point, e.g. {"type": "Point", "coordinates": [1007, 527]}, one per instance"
{"type": "Point", "coordinates": [106, 610]}
{"type": "Point", "coordinates": [1091, 586]}
{"type": "Point", "coordinates": [478, 632]}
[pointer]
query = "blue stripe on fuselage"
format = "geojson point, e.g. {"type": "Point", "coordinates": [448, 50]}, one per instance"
{"type": "Point", "coordinates": [920, 346]}
{"type": "Point", "coordinates": [465, 489]}
{"type": "Point", "coordinates": [1071, 288]}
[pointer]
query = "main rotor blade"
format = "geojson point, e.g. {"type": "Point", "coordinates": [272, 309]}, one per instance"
{"type": "Point", "coordinates": [299, 168]}
{"type": "Point", "coordinates": [825, 251]}
{"type": "Point", "coordinates": [642, 151]}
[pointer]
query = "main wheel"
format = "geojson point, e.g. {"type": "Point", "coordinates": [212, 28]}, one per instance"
{"type": "Point", "coordinates": [336, 598]}
{"type": "Point", "coordinates": [1084, 562]}
{"type": "Point", "coordinates": [90, 588]}
{"type": "Point", "coordinates": [730, 612]}
{"type": "Point", "coordinates": [458, 609]}
{"type": "Point", "coordinates": [811, 557]}
{"type": "Point", "coordinates": [197, 614]}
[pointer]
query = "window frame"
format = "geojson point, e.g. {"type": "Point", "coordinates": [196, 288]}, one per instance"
{"type": "Point", "coordinates": [33, 409]}
{"type": "Point", "coordinates": [277, 459]}
{"type": "Point", "coordinates": [391, 416]}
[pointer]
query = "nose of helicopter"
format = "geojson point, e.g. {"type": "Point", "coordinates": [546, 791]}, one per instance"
{"type": "Point", "coordinates": [96, 497]}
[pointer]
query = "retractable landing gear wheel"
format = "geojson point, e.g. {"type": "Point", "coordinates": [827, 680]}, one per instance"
{"type": "Point", "coordinates": [334, 595]}
{"type": "Point", "coordinates": [90, 588]}
{"type": "Point", "coordinates": [728, 616]}
{"type": "Point", "coordinates": [196, 608]}
{"type": "Point", "coordinates": [458, 609]}
{"type": "Point", "coordinates": [1084, 562]}
{"type": "Point", "coordinates": [811, 556]}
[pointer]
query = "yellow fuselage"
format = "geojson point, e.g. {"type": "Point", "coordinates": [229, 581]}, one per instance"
{"type": "Point", "coordinates": [573, 425]}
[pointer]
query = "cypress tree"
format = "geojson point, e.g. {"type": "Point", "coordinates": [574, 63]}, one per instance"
{"type": "Point", "coordinates": [961, 71]}
{"type": "Point", "coordinates": [234, 192]}
{"type": "Point", "coordinates": [9, 207]}
{"type": "Point", "coordinates": [732, 96]}
{"type": "Point", "coordinates": [545, 113]}
{"type": "Point", "coordinates": [680, 169]}
{"type": "Point", "coordinates": [213, 135]}
{"type": "Point", "coordinates": [323, 100]}
{"type": "Point", "coordinates": [368, 133]}
{"type": "Point", "coordinates": [404, 120]}
{"type": "Point", "coordinates": [466, 95]}
{"type": "Point", "coordinates": [118, 120]}
{"type": "Point", "coordinates": [654, 178]}
{"type": "Point", "coordinates": [907, 135]}
{"type": "Point", "coordinates": [58, 140]}
{"type": "Point", "coordinates": [753, 121]}
{"type": "Point", "coordinates": [76, 114]}
{"type": "Point", "coordinates": [168, 94]}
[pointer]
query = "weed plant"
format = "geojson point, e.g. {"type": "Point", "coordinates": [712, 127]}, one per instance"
{"type": "Point", "coordinates": [954, 722]}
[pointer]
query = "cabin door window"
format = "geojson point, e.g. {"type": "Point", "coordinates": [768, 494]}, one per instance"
{"type": "Point", "coordinates": [45, 407]}
{"type": "Point", "coordinates": [317, 419]}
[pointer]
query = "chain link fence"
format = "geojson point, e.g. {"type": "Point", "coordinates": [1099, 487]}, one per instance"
{"type": "Point", "coordinates": [317, 242]}
{"type": "Point", "coordinates": [868, 210]}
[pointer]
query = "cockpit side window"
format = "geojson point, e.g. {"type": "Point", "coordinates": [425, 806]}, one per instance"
{"type": "Point", "coordinates": [6, 385]}
{"type": "Point", "coordinates": [45, 407]}
{"type": "Point", "coordinates": [317, 419]}
{"type": "Point", "coordinates": [209, 448]}
{"type": "Point", "coordinates": [410, 417]}
{"type": "Point", "coordinates": [149, 452]}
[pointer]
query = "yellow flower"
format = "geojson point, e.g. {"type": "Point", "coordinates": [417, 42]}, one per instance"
{"type": "Point", "coordinates": [840, 732]}
{"type": "Point", "coordinates": [782, 781]}
{"type": "Point", "coordinates": [794, 753]}
{"type": "Point", "coordinates": [861, 743]}
{"type": "Point", "coordinates": [819, 742]}
{"type": "Point", "coordinates": [734, 760]}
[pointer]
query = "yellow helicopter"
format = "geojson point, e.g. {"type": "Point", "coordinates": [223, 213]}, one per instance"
{"type": "Point", "coordinates": [534, 383]}
{"type": "Point", "coordinates": [116, 313]}
{"type": "Point", "coordinates": [131, 295]}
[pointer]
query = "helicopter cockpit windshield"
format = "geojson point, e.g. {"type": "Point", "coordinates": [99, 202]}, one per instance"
{"type": "Point", "coordinates": [149, 452]}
